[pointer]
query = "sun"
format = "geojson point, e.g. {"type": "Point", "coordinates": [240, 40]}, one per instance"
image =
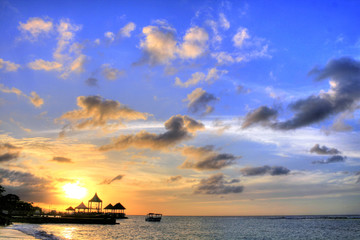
{"type": "Point", "coordinates": [73, 190]}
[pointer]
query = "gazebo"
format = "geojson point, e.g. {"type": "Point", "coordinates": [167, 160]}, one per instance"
{"type": "Point", "coordinates": [109, 207]}
{"type": "Point", "coordinates": [81, 207]}
{"type": "Point", "coordinates": [119, 208]}
{"type": "Point", "coordinates": [70, 209]}
{"type": "Point", "coordinates": [95, 204]}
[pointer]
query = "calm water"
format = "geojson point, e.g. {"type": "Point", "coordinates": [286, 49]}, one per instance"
{"type": "Point", "coordinates": [203, 228]}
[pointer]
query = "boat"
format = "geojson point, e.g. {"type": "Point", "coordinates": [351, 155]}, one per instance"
{"type": "Point", "coordinates": [153, 217]}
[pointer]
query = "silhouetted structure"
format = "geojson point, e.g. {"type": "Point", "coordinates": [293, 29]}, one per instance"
{"type": "Point", "coordinates": [109, 208]}
{"type": "Point", "coordinates": [95, 204]}
{"type": "Point", "coordinates": [81, 207]}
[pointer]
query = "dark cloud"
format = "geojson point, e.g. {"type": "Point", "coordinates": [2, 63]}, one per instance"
{"type": "Point", "coordinates": [179, 128]}
{"type": "Point", "coordinates": [206, 158]}
{"type": "Point", "coordinates": [273, 171]}
{"type": "Point", "coordinates": [27, 186]}
{"type": "Point", "coordinates": [91, 82]}
{"type": "Point", "coordinates": [261, 115]}
{"type": "Point", "coordinates": [324, 150]}
{"type": "Point", "coordinates": [98, 112]}
{"type": "Point", "coordinates": [216, 184]}
{"type": "Point", "coordinates": [174, 179]}
{"type": "Point", "coordinates": [332, 159]}
{"type": "Point", "coordinates": [62, 160]}
{"type": "Point", "coordinates": [343, 96]}
{"type": "Point", "coordinates": [109, 181]}
{"type": "Point", "coordinates": [8, 152]}
{"type": "Point", "coordinates": [200, 100]}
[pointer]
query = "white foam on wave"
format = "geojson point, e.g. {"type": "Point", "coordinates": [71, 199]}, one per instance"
{"type": "Point", "coordinates": [33, 230]}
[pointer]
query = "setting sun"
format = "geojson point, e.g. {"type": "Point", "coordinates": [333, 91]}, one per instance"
{"type": "Point", "coordinates": [73, 190]}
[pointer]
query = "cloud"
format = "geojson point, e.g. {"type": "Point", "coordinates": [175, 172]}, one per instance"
{"type": "Point", "coordinates": [240, 37]}
{"type": "Point", "coordinates": [41, 64]}
{"type": "Point", "coordinates": [160, 45]}
{"type": "Point", "coordinates": [199, 101]}
{"type": "Point", "coordinates": [34, 27]}
{"type": "Point", "coordinates": [247, 48]}
{"type": "Point", "coordinates": [179, 128]}
{"type": "Point", "coordinates": [195, 79]}
{"type": "Point", "coordinates": [127, 29]}
{"type": "Point", "coordinates": [34, 98]}
{"type": "Point", "coordinates": [67, 56]}
{"type": "Point", "coordinates": [174, 179]}
{"type": "Point", "coordinates": [8, 152]}
{"type": "Point", "coordinates": [8, 66]}
{"type": "Point", "coordinates": [110, 36]}
{"type": "Point", "coordinates": [111, 73]}
{"type": "Point", "coordinates": [96, 111]}
{"type": "Point", "coordinates": [332, 159]}
{"type": "Point", "coordinates": [324, 150]}
{"type": "Point", "coordinates": [224, 23]}
{"type": "Point", "coordinates": [261, 115]}
{"type": "Point", "coordinates": [206, 158]}
{"type": "Point", "coordinates": [109, 181]}
{"type": "Point", "coordinates": [358, 180]}
{"type": "Point", "coordinates": [62, 160]}
{"type": "Point", "coordinates": [27, 186]}
{"type": "Point", "coordinates": [91, 82]}
{"type": "Point", "coordinates": [343, 96]}
{"type": "Point", "coordinates": [194, 43]}
{"type": "Point", "coordinates": [212, 75]}
{"type": "Point", "coordinates": [216, 184]}
{"type": "Point", "coordinates": [273, 171]}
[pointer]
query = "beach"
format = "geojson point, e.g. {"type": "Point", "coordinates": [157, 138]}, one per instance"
{"type": "Point", "coordinates": [8, 233]}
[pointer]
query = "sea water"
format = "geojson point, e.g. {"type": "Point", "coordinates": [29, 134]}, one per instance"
{"type": "Point", "coordinates": [172, 227]}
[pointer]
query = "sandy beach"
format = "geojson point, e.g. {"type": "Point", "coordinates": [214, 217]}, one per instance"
{"type": "Point", "coordinates": [8, 233]}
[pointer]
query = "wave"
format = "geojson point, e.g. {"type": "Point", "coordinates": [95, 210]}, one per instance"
{"type": "Point", "coordinates": [31, 230]}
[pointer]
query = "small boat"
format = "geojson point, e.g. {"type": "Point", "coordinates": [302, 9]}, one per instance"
{"type": "Point", "coordinates": [153, 217]}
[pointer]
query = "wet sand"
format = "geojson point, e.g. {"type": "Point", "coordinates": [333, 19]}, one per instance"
{"type": "Point", "coordinates": [8, 233]}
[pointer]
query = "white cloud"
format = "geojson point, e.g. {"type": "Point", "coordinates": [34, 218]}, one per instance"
{"type": "Point", "coordinates": [8, 66]}
{"type": "Point", "coordinates": [127, 29]}
{"type": "Point", "coordinates": [34, 98]}
{"type": "Point", "coordinates": [224, 23]}
{"type": "Point", "coordinates": [240, 37]}
{"type": "Point", "coordinates": [195, 43]}
{"type": "Point", "coordinates": [161, 47]}
{"type": "Point", "coordinates": [36, 26]}
{"type": "Point", "coordinates": [195, 79]}
{"type": "Point", "coordinates": [198, 77]}
{"type": "Point", "coordinates": [111, 73]}
{"type": "Point", "coordinates": [110, 36]}
{"type": "Point", "coordinates": [40, 64]}
{"type": "Point", "coordinates": [159, 44]}
{"type": "Point", "coordinates": [67, 57]}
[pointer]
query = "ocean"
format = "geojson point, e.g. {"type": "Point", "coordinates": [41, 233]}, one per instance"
{"type": "Point", "coordinates": [181, 227]}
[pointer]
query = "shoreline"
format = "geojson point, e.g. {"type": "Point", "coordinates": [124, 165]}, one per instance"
{"type": "Point", "coordinates": [9, 233]}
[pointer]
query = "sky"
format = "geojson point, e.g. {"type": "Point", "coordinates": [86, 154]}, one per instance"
{"type": "Point", "coordinates": [182, 107]}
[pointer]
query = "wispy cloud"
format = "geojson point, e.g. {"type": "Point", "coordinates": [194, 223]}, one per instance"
{"type": "Point", "coordinates": [273, 171]}
{"type": "Point", "coordinates": [34, 98]}
{"type": "Point", "coordinates": [109, 181]}
{"type": "Point", "coordinates": [8, 66]}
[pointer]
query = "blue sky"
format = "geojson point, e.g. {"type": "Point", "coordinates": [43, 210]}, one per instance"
{"type": "Point", "coordinates": [245, 105]}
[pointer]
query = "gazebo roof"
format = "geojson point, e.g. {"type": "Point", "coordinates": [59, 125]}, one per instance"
{"type": "Point", "coordinates": [81, 206]}
{"type": "Point", "coordinates": [110, 206]}
{"type": "Point", "coordinates": [95, 198]}
{"type": "Point", "coordinates": [118, 206]}
{"type": "Point", "coordinates": [70, 209]}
